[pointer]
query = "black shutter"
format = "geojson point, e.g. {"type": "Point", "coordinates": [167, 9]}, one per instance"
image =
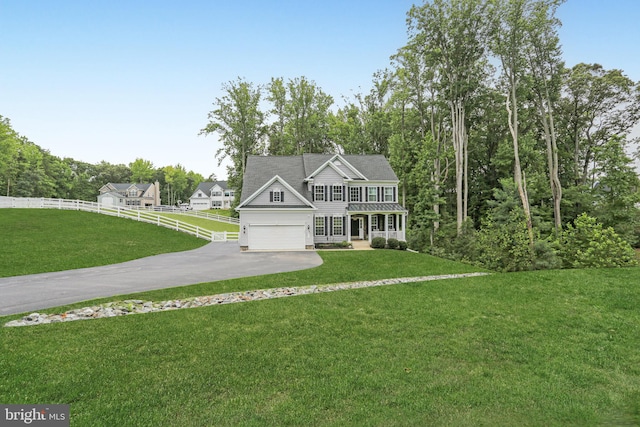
{"type": "Point", "coordinates": [326, 223]}
{"type": "Point", "coordinates": [379, 194]}
{"type": "Point", "coordinates": [331, 226]}
{"type": "Point", "coordinates": [271, 196]}
{"type": "Point", "coordinates": [282, 196]}
{"type": "Point", "coordinates": [344, 193]}
{"type": "Point", "coordinates": [394, 194]}
{"type": "Point", "coordinates": [326, 192]}
{"type": "Point", "coordinates": [330, 193]}
{"type": "Point", "coordinates": [313, 193]}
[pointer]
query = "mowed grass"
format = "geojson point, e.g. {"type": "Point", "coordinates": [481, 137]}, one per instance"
{"type": "Point", "coordinates": [207, 224]}
{"type": "Point", "coordinates": [541, 348]}
{"type": "Point", "coordinates": [45, 240]}
{"type": "Point", "coordinates": [532, 348]}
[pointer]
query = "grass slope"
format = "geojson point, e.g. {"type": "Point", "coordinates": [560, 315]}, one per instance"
{"type": "Point", "coordinates": [207, 224]}
{"type": "Point", "coordinates": [45, 240]}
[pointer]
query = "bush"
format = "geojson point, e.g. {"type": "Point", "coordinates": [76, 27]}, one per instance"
{"type": "Point", "coordinates": [588, 244]}
{"type": "Point", "coordinates": [392, 243]}
{"type": "Point", "coordinates": [505, 246]}
{"type": "Point", "coordinates": [378, 242]}
{"type": "Point", "coordinates": [402, 245]}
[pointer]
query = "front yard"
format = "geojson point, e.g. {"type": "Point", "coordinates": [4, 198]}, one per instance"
{"type": "Point", "coordinates": [530, 348]}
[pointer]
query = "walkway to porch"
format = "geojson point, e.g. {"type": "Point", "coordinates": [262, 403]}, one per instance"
{"type": "Point", "coordinates": [361, 245]}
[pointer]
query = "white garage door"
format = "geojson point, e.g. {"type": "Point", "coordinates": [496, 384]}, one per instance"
{"type": "Point", "coordinates": [276, 237]}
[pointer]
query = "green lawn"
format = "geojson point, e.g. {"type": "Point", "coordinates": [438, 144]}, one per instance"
{"type": "Point", "coordinates": [532, 348]}
{"type": "Point", "coordinates": [45, 240]}
{"type": "Point", "coordinates": [207, 224]}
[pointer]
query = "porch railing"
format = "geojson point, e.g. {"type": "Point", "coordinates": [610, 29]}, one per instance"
{"type": "Point", "coordinates": [391, 234]}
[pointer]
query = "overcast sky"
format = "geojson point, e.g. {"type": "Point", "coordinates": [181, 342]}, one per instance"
{"type": "Point", "coordinates": [116, 80]}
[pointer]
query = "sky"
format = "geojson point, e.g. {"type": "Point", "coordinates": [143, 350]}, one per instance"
{"type": "Point", "coordinates": [118, 80]}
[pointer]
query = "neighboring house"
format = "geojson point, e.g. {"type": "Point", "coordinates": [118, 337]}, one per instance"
{"type": "Point", "coordinates": [130, 195]}
{"type": "Point", "coordinates": [212, 195]}
{"type": "Point", "coordinates": [298, 202]}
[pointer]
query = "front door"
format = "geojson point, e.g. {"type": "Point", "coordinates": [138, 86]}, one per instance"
{"type": "Point", "coordinates": [357, 228]}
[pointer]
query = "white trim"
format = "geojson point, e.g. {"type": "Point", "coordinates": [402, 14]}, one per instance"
{"type": "Point", "coordinates": [330, 163]}
{"type": "Point", "coordinates": [267, 185]}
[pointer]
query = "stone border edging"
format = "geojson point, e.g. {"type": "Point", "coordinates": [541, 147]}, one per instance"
{"type": "Point", "coordinates": [114, 309]}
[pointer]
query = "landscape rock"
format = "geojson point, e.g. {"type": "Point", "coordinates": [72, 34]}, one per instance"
{"type": "Point", "coordinates": [123, 308]}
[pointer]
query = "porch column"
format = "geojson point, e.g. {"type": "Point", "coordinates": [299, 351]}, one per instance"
{"type": "Point", "coordinates": [348, 227]}
{"type": "Point", "coordinates": [369, 227]}
{"type": "Point", "coordinates": [386, 226]}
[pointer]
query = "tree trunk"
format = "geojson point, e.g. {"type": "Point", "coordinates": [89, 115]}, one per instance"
{"type": "Point", "coordinates": [458, 136]}
{"type": "Point", "coordinates": [517, 169]}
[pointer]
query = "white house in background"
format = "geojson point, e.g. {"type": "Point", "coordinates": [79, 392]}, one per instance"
{"type": "Point", "coordinates": [130, 195]}
{"type": "Point", "coordinates": [298, 202]}
{"type": "Point", "coordinates": [212, 195]}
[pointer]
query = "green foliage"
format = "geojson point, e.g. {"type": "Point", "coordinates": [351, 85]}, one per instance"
{"type": "Point", "coordinates": [505, 244]}
{"type": "Point", "coordinates": [378, 243]}
{"type": "Point", "coordinates": [458, 246]}
{"type": "Point", "coordinates": [141, 170]}
{"type": "Point", "coordinates": [392, 243]}
{"type": "Point", "coordinates": [587, 244]}
{"type": "Point", "coordinates": [402, 245]}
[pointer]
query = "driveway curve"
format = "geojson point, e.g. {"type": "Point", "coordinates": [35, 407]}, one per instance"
{"type": "Point", "coordinates": [212, 262]}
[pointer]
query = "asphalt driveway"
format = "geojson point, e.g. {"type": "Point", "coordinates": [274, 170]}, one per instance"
{"type": "Point", "coordinates": [215, 261]}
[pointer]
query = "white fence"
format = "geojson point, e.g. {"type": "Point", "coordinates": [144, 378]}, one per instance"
{"type": "Point", "coordinates": [198, 214]}
{"type": "Point", "coordinates": [120, 212]}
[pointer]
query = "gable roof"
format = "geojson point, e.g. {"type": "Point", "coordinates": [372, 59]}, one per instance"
{"type": "Point", "coordinates": [304, 202]}
{"type": "Point", "coordinates": [206, 187]}
{"type": "Point", "coordinates": [123, 187]}
{"type": "Point", "coordinates": [331, 162]}
{"type": "Point", "coordinates": [295, 169]}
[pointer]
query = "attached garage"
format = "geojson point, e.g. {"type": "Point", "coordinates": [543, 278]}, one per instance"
{"type": "Point", "coordinates": [276, 237]}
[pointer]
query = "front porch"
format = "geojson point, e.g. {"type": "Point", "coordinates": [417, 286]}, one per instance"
{"type": "Point", "coordinates": [365, 226]}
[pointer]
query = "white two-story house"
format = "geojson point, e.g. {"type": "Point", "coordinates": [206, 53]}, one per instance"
{"type": "Point", "coordinates": [130, 195]}
{"type": "Point", "coordinates": [212, 195]}
{"type": "Point", "coordinates": [299, 202]}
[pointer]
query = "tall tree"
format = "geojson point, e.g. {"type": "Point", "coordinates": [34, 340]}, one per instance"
{"type": "Point", "coordinates": [544, 56]}
{"type": "Point", "coordinates": [9, 151]}
{"type": "Point", "coordinates": [453, 34]}
{"type": "Point", "coordinates": [142, 171]}
{"type": "Point", "coordinates": [598, 104]}
{"type": "Point", "coordinates": [301, 111]}
{"type": "Point", "coordinates": [509, 43]}
{"type": "Point", "coordinates": [239, 122]}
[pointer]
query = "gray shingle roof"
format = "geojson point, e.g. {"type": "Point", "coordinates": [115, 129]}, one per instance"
{"type": "Point", "coordinates": [294, 169]}
{"type": "Point", "coordinates": [125, 186]}
{"type": "Point", "coordinates": [206, 187]}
